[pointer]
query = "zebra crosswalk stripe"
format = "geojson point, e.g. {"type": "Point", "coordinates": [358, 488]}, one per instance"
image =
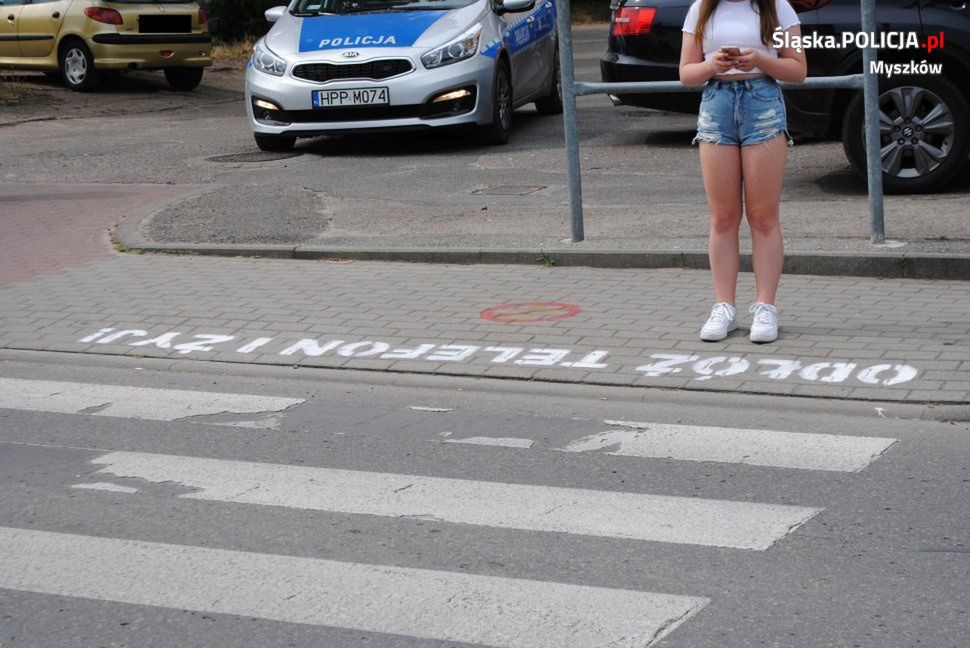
{"type": "Point", "coordinates": [773, 448]}
{"type": "Point", "coordinates": [132, 402]}
{"type": "Point", "coordinates": [489, 610]}
{"type": "Point", "coordinates": [660, 518]}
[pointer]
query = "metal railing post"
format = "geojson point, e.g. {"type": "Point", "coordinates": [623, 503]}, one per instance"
{"type": "Point", "coordinates": [567, 77]}
{"type": "Point", "coordinates": [870, 89]}
{"type": "Point", "coordinates": [867, 82]}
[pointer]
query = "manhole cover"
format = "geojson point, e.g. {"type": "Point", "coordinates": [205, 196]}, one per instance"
{"type": "Point", "coordinates": [507, 191]}
{"type": "Point", "coordinates": [255, 156]}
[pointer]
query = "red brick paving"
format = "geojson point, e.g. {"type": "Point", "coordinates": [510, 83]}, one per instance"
{"type": "Point", "coordinates": [48, 228]}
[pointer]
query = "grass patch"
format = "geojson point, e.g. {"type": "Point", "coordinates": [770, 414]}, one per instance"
{"type": "Point", "coordinates": [235, 52]}
{"type": "Point", "coordinates": [14, 90]}
{"type": "Point", "coordinates": [545, 260]}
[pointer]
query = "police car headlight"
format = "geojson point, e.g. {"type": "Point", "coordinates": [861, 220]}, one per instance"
{"type": "Point", "coordinates": [265, 61]}
{"type": "Point", "coordinates": [459, 49]}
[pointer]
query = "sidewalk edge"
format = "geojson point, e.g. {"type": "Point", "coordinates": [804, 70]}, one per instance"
{"type": "Point", "coordinates": [926, 265]}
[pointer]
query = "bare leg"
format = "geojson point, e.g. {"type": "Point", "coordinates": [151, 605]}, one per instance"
{"type": "Point", "coordinates": [764, 164]}
{"type": "Point", "coordinates": [721, 168]}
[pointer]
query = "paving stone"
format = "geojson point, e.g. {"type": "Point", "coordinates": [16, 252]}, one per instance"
{"type": "Point", "coordinates": [406, 305]}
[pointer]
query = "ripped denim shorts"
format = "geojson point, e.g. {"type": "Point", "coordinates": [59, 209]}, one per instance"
{"type": "Point", "coordinates": [742, 112]}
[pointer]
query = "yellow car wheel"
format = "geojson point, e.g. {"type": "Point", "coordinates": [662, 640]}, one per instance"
{"type": "Point", "coordinates": [183, 78]}
{"type": "Point", "coordinates": [77, 67]}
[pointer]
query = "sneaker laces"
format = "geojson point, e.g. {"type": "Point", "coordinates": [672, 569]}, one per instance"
{"type": "Point", "coordinates": [763, 313]}
{"type": "Point", "coordinates": [721, 313]}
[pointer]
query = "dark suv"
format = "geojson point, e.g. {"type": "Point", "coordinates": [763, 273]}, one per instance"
{"type": "Point", "coordinates": [924, 121]}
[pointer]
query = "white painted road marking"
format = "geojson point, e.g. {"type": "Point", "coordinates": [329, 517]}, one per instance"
{"type": "Point", "coordinates": [495, 611]}
{"type": "Point", "coordinates": [106, 486]}
{"type": "Point", "coordinates": [665, 364]}
{"type": "Point", "coordinates": [730, 445]}
{"type": "Point", "coordinates": [660, 518]}
{"type": "Point", "coordinates": [132, 402]}
{"type": "Point", "coordinates": [505, 442]}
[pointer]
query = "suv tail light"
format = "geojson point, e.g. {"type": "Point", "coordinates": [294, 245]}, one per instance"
{"type": "Point", "coordinates": [633, 21]}
{"type": "Point", "coordinates": [102, 15]}
{"type": "Point", "coordinates": [203, 16]}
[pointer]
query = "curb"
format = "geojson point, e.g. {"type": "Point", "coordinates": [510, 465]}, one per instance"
{"type": "Point", "coordinates": [939, 412]}
{"type": "Point", "coordinates": [129, 228]}
{"type": "Point", "coordinates": [857, 264]}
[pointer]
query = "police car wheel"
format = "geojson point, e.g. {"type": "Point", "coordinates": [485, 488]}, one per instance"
{"type": "Point", "coordinates": [552, 103]}
{"type": "Point", "coordinates": [274, 142]}
{"type": "Point", "coordinates": [498, 131]}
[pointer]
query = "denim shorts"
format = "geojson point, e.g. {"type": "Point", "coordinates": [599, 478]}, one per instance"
{"type": "Point", "coordinates": [742, 112]}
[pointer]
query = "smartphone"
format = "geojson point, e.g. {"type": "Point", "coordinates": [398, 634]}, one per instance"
{"type": "Point", "coordinates": [731, 50]}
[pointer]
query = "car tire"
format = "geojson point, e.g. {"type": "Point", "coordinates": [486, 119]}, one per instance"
{"type": "Point", "coordinates": [77, 67]}
{"type": "Point", "coordinates": [915, 159]}
{"type": "Point", "coordinates": [183, 78]}
{"type": "Point", "coordinates": [274, 143]}
{"type": "Point", "coordinates": [499, 130]}
{"type": "Point", "coordinates": [551, 104]}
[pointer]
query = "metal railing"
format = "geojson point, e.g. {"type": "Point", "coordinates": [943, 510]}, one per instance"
{"type": "Point", "coordinates": [571, 89]}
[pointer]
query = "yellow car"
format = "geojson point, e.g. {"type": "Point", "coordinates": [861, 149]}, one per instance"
{"type": "Point", "coordinates": [82, 38]}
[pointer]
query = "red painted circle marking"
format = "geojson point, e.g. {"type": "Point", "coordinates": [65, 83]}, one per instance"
{"type": "Point", "coordinates": [530, 312]}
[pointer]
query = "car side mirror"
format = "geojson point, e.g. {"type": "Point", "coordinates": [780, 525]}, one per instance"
{"type": "Point", "coordinates": [274, 13]}
{"type": "Point", "coordinates": [515, 6]}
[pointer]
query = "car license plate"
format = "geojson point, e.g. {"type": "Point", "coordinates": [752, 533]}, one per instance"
{"type": "Point", "coordinates": [350, 97]}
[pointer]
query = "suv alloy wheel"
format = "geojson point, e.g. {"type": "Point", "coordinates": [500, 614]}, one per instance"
{"type": "Point", "coordinates": [924, 131]}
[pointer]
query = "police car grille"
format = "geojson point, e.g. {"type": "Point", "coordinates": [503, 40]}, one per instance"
{"type": "Point", "coordinates": [381, 69]}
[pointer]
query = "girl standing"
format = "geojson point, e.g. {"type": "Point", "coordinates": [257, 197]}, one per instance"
{"type": "Point", "coordinates": [742, 130]}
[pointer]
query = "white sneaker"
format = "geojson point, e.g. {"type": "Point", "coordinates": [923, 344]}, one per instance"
{"type": "Point", "coordinates": [723, 320]}
{"type": "Point", "coordinates": [764, 325]}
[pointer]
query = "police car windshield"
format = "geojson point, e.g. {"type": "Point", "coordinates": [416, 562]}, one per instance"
{"type": "Point", "coordinates": [316, 7]}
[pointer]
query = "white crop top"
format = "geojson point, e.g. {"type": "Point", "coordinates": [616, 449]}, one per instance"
{"type": "Point", "coordinates": [737, 23]}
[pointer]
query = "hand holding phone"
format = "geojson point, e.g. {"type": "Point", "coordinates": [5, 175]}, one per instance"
{"type": "Point", "coordinates": [748, 60]}
{"type": "Point", "coordinates": [731, 51]}
{"type": "Point", "coordinates": [723, 61]}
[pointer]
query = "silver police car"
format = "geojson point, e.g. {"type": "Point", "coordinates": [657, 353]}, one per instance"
{"type": "Point", "coordinates": [337, 66]}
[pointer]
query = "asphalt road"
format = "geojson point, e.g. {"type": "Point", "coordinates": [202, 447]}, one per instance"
{"type": "Point", "coordinates": [641, 179]}
{"type": "Point", "coordinates": [170, 508]}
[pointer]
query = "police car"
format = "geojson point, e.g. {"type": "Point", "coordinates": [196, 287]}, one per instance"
{"type": "Point", "coordinates": [338, 66]}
